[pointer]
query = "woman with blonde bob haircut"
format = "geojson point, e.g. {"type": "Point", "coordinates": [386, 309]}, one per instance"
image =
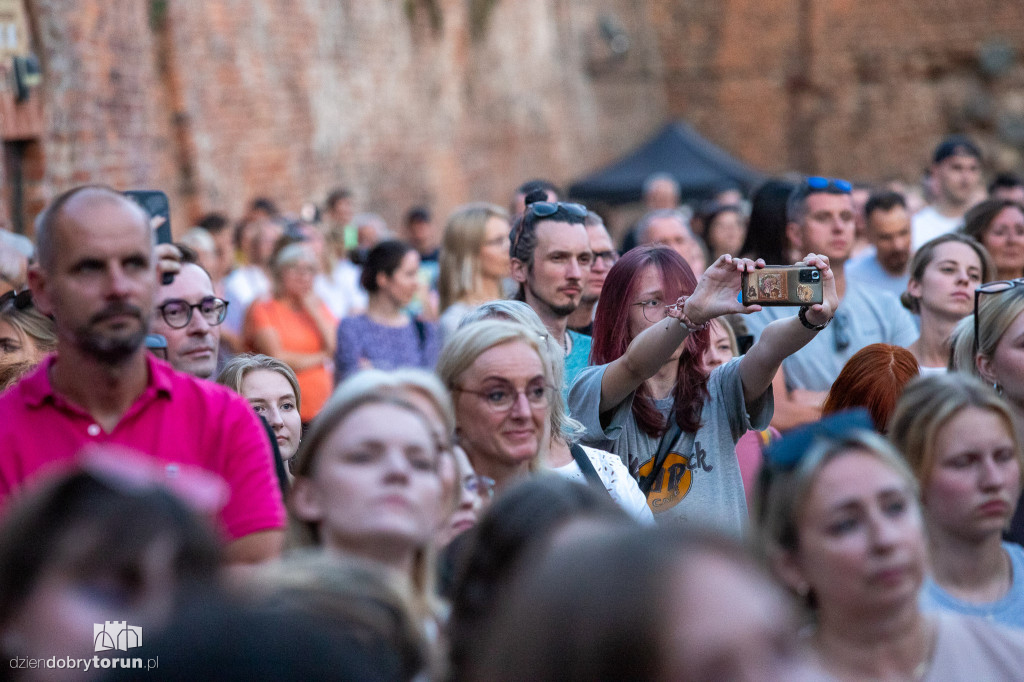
{"type": "Point", "coordinates": [959, 438]}
{"type": "Point", "coordinates": [840, 525]}
{"type": "Point", "coordinates": [474, 261]}
{"type": "Point", "coordinates": [502, 389]}
{"type": "Point", "coordinates": [564, 455]}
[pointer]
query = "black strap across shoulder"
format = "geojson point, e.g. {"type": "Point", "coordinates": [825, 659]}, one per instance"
{"type": "Point", "coordinates": [647, 482]}
{"type": "Point", "coordinates": [585, 465]}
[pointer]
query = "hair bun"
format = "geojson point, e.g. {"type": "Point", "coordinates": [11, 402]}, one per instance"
{"type": "Point", "coordinates": [535, 196]}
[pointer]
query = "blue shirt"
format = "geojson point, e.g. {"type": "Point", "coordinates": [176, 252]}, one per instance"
{"type": "Point", "coordinates": [864, 317]}
{"type": "Point", "coordinates": [1006, 611]}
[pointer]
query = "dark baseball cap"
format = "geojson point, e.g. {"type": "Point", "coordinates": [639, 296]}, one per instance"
{"type": "Point", "coordinates": [956, 145]}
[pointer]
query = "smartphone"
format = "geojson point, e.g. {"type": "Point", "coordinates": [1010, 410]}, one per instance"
{"type": "Point", "coordinates": [788, 285]}
{"type": "Point", "coordinates": [155, 203]}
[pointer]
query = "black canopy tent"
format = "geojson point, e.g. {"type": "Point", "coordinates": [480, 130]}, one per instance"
{"type": "Point", "coordinates": [700, 167]}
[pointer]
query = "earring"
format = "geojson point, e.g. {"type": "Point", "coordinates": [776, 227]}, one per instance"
{"type": "Point", "coordinates": [998, 389]}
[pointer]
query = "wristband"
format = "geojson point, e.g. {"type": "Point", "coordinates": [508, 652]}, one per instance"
{"type": "Point", "coordinates": [803, 320]}
{"type": "Point", "coordinates": [686, 322]}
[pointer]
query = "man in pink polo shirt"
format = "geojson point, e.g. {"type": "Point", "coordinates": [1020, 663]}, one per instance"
{"type": "Point", "coordinates": [97, 277]}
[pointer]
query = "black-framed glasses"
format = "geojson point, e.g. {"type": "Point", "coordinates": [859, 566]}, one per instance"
{"type": "Point", "coordinates": [787, 452]}
{"type": "Point", "coordinates": [501, 398]}
{"type": "Point", "coordinates": [22, 299]}
{"type": "Point", "coordinates": [609, 258]}
{"type": "Point", "coordinates": [997, 287]}
{"type": "Point", "coordinates": [177, 313]}
{"type": "Point", "coordinates": [817, 183]}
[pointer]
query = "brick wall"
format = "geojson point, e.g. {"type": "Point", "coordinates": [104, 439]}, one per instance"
{"type": "Point", "coordinates": [418, 101]}
{"type": "Point", "coordinates": [863, 89]}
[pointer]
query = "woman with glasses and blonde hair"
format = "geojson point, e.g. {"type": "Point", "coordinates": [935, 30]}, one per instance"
{"type": "Point", "coordinates": [943, 275]}
{"type": "Point", "coordinates": [651, 400]}
{"type": "Point", "coordinates": [840, 525]}
{"type": "Point", "coordinates": [295, 326]}
{"type": "Point", "coordinates": [502, 390]}
{"type": "Point", "coordinates": [564, 455]}
{"type": "Point", "coordinates": [961, 442]}
{"type": "Point", "coordinates": [474, 261]}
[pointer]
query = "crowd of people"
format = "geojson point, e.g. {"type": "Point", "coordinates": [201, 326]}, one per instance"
{"type": "Point", "coordinates": [303, 446]}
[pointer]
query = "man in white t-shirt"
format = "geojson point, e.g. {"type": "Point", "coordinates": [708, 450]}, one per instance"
{"type": "Point", "coordinates": [956, 172]}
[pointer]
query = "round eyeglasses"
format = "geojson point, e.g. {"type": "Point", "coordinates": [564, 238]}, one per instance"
{"type": "Point", "coordinates": [177, 313]}
{"type": "Point", "coordinates": [654, 310]}
{"type": "Point", "coordinates": [502, 398]}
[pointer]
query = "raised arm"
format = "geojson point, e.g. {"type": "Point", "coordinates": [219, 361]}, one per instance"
{"type": "Point", "coordinates": [716, 294]}
{"type": "Point", "coordinates": [784, 337]}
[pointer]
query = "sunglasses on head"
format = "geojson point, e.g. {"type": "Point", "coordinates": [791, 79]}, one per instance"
{"type": "Point", "coordinates": [816, 183]}
{"type": "Point", "coordinates": [990, 288]}
{"type": "Point", "coordinates": [787, 452]}
{"type": "Point", "coordinates": [544, 210]}
{"type": "Point", "coordinates": [22, 299]}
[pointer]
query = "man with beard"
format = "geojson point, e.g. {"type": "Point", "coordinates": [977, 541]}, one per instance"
{"type": "Point", "coordinates": [551, 260]}
{"type": "Point", "coordinates": [189, 316]}
{"type": "Point", "coordinates": [97, 277]}
{"type": "Point", "coordinates": [820, 221]}
{"type": "Point", "coordinates": [888, 229]}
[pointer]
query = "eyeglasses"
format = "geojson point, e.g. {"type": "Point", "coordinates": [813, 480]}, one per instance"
{"type": "Point", "coordinates": [22, 299]}
{"type": "Point", "coordinates": [817, 183]}
{"type": "Point", "coordinates": [787, 452]}
{"type": "Point", "coordinates": [609, 258]}
{"type": "Point", "coordinates": [177, 313]}
{"type": "Point", "coordinates": [547, 209]}
{"type": "Point", "coordinates": [990, 288]}
{"type": "Point", "coordinates": [478, 485]}
{"type": "Point", "coordinates": [654, 310]}
{"type": "Point", "coordinates": [502, 398]}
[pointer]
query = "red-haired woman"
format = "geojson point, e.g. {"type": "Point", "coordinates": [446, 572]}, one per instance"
{"type": "Point", "coordinates": [874, 379]}
{"type": "Point", "coordinates": [649, 398]}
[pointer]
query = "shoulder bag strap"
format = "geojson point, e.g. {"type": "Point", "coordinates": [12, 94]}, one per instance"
{"type": "Point", "coordinates": [647, 482]}
{"type": "Point", "coordinates": [585, 465]}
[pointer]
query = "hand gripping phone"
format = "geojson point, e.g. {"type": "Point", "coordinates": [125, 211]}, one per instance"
{"type": "Point", "coordinates": [783, 285]}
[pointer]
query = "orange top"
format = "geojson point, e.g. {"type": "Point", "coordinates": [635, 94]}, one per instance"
{"type": "Point", "coordinates": [298, 334]}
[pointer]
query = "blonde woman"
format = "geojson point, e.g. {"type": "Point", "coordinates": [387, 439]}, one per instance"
{"type": "Point", "coordinates": [563, 454]}
{"type": "Point", "coordinates": [502, 389]}
{"type": "Point", "coordinates": [961, 442]}
{"type": "Point", "coordinates": [840, 525]}
{"type": "Point", "coordinates": [474, 261]}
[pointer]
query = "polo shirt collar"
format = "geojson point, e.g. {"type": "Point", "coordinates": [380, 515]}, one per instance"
{"type": "Point", "coordinates": [36, 388]}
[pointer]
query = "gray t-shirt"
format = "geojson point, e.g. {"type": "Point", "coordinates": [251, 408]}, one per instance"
{"type": "Point", "coordinates": [700, 483]}
{"type": "Point", "coordinates": [864, 317]}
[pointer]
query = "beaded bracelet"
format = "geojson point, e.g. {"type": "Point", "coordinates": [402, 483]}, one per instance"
{"type": "Point", "coordinates": [685, 321]}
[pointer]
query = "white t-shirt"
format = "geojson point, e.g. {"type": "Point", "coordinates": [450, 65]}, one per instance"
{"type": "Point", "coordinates": [620, 485]}
{"type": "Point", "coordinates": [928, 223]}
